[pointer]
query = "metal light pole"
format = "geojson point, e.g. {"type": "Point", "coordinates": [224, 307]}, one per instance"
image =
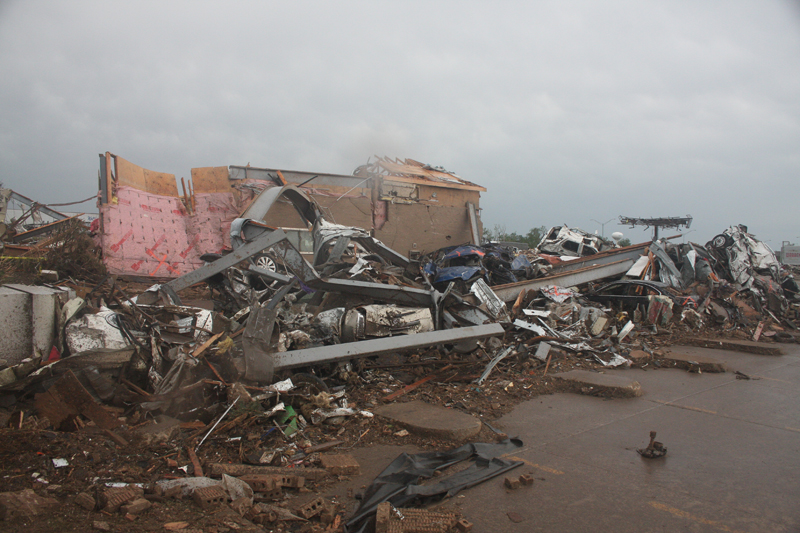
{"type": "Point", "coordinates": [603, 226]}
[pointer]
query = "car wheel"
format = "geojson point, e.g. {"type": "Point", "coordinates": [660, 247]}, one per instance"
{"type": "Point", "coordinates": [266, 262]}
{"type": "Point", "coordinates": [721, 241]}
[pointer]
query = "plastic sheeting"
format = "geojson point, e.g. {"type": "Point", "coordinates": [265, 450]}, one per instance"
{"type": "Point", "coordinates": [399, 482]}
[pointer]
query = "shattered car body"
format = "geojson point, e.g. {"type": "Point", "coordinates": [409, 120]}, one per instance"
{"type": "Point", "coordinates": [572, 242]}
{"type": "Point", "coordinates": [627, 292]}
{"type": "Point", "coordinates": [463, 265]}
{"type": "Point", "coordinates": [743, 255]}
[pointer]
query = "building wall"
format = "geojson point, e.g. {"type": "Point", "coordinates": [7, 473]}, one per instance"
{"type": "Point", "coordinates": [151, 228]}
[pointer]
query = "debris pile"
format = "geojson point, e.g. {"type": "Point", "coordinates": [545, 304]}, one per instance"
{"type": "Point", "coordinates": [243, 384]}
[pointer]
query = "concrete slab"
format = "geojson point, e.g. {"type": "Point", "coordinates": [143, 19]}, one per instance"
{"type": "Point", "coordinates": [741, 361]}
{"type": "Point", "coordinates": [431, 420]}
{"type": "Point", "coordinates": [692, 362]}
{"type": "Point", "coordinates": [615, 384]}
{"type": "Point", "coordinates": [759, 348]}
{"type": "Point", "coordinates": [15, 322]}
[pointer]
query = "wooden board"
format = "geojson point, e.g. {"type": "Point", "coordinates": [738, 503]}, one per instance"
{"type": "Point", "coordinates": [210, 179]}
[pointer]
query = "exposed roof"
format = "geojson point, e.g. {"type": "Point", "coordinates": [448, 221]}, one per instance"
{"type": "Point", "coordinates": [412, 171]}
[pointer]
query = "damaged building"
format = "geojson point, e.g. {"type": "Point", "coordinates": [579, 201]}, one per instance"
{"type": "Point", "coordinates": [148, 227]}
{"type": "Point", "coordinates": [256, 328]}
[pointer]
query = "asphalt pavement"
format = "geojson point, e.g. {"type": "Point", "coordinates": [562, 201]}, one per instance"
{"type": "Point", "coordinates": [733, 459]}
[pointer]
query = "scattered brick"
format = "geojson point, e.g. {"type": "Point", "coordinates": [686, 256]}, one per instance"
{"type": "Point", "coordinates": [464, 525]}
{"type": "Point", "coordinates": [86, 501]}
{"type": "Point", "coordinates": [241, 505]}
{"type": "Point", "coordinates": [136, 506]}
{"type": "Point", "coordinates": [415, 520]}
{"type": "Point", "coordinates": [23, 503]}
{"type": "Point", "coordinates": [174, 492]}
{"type": "Point", "coordinates": [340, 465]}
{"type": "Point", "coordinates": [112, 499]}
{"type": "Point", "coordinates": [512, 483]}
{"type": "Point", "coordinates": [210, 496]}
{"type": "Point", "coordinates": [311, 509]}
{"type": "Point", "coordinates": [293, 482]}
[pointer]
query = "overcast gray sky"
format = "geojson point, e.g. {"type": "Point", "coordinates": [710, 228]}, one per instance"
{"type": "Point", "coordinates": [566, 111]}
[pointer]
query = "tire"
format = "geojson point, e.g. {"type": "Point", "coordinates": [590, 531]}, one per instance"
{"type": "Point", "coordinates": [721, 241]}
{"type": "Point", "coordinates": [310, 382]}
{"type": "Point", "coordinates": [266, 262]}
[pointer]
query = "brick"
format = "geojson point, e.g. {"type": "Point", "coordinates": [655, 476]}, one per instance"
{"type": "Point", "coordinates": [340, 465]}
{"type": "Point", "coordinates": [101, 526]}
{"type": "Point", "coordinates": [293, 482]}
{"type": "Point", "coordinates": [112, 499]}
{"type": "Point", "coordinates": [415, 521]}
{"type": "Point", "coordinates": [311, 509]}
{"type": "Point", "coordinates": [86, 501]}
{"type": "Point", "coordinates": [174, 492]}
{"type": "Point", "coordinates": [328, 513]}
{"type": "Point", "coordinates": [262, 482]}
{"type": "Point", "coordinates": [25, 503]}
{"type": "Point", "coordinates": [210, 496]}
{"type": "Point", "coordinates": [261, 514]}
{"type": "Point", "coordinates": [242, 505]}
{"type": "Point", "coordinates": [512, 483]}
{"type": "Point", "coordinates": [382, 517]}
{"type": "Point", "coordinates": [464, 525]}
{"type": "Point", "coordinates": [139, 505]}
{"type": "Point", "coordinates": [526, 479]}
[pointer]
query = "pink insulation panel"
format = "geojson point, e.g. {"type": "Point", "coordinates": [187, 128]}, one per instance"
{"type": "Point", "coordinates": [145, 234]}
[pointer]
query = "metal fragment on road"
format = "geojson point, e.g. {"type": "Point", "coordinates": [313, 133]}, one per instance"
{"type": "Point", "coordinates": [505, 353]}
{"type": "Point", "coordinates": [654, 449]}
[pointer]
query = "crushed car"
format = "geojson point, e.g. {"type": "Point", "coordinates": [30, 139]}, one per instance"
{"type": "Point", "coordinates": [572, 242]}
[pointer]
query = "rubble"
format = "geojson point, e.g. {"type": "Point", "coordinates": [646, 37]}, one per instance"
{"type": "Point", "coordinates": [241, 381]}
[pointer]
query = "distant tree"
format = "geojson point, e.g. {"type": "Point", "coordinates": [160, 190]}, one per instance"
{"type": "Point", "coordinates": [625, 242]}
{"type": "Point", "coordinates": [499, 233]}
{"type": "Point", "coordinates": [535, 236]}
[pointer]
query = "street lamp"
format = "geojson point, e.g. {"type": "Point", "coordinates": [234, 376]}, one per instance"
{"type": "Point", "coordinates": [603, 226]}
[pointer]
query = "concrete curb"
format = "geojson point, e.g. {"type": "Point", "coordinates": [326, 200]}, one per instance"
{"type": "Point", "coordinates": [616, 385]}
{"type": "Point", "coordinates": [429, 420]}
{"type": "Point", "coordinates": [694, 362]}
{"type": "Point", "coordinates": [735, 346]}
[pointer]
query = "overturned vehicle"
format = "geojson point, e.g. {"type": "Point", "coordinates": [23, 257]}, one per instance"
{"type": "Point", "coordinates": [572, 242]}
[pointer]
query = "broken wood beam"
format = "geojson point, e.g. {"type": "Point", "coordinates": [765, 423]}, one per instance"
{"type": "Point", "coordinates": [416, 384]}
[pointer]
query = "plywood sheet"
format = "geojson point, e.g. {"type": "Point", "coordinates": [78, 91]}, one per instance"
{"type": "Point", "coordinates": [210, 179]}
{"type": "Point", "coordinates": [160, 183]}
{"type": "Point", "coordinates": [130, 175]}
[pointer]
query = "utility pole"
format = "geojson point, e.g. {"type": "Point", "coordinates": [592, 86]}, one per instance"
{"type": "Point", "coordinates": [602, 226]}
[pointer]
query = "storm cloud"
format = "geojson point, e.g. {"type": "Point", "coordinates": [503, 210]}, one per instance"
{"type": "Point", "coordinates": [565, 111]}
